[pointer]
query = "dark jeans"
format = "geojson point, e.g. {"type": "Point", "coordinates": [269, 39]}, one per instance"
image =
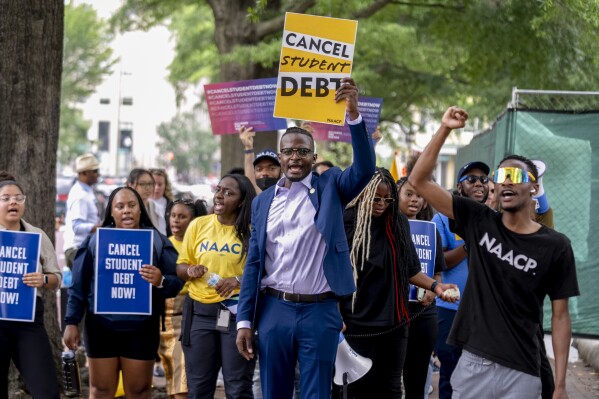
{"type": "Point", "coordinates": [28, 346]}
{"type": "Point", "coordinates": [448, 355]}
{"type": "Point", "coordinates": [387, 353]}
{"type": "Point", "coordinates": [422, 338]}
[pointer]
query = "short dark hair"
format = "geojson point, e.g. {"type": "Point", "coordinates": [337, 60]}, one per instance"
{"type": "Point", "coordinates": [532, 168]}
{"type": "Point", "coordinates": [323, 163]}
{"type": "Point", "coordinates": [236, 170]}
{"type": "Point", "coordinates": [299, 130]}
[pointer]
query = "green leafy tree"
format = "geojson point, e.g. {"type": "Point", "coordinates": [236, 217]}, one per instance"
{"type": "Point", "coordinates": [421, 55]}
{"type": "Point", "coordinates": [193, 147]}
{"type": "Point", "coordinates": [87, 59]}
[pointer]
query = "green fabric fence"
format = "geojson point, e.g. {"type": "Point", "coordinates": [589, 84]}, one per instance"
{"type": "Point", "coordinates": [569, 145]}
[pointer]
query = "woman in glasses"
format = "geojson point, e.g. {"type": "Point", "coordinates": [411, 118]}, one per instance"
{"type": "Point", "coordinates": [211, 260]}
{"type": "Point", "coordinates": [178, 214]}
{"type": "Point", "coordinates": [27, 343]}
{"type": "Point", "coordinates": [162, 196]}
{"type": "Point", "coordinates": [385, 262]}
{"type": "Point", "coordinates": [142, 181]}
{"type": "Point", "coordinates": [121, 342]}
{"type": "Point", "coordinates": [423, 327]}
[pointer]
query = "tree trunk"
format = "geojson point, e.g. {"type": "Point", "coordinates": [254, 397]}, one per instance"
{"type": "Point", "coordinates": [233, 28]}
{"type": "Point", "coordinates": [31, 41]}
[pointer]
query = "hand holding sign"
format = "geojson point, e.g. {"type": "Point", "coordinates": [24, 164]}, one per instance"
{"type": "Point", "coordinates": [348, 91]}
{"type": "Point", "coordinates": [151, 274]}
{"type": "Point", "coordinates": [34, 280]}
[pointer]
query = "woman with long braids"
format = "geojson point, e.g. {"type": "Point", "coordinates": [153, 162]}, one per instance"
{"type": "Point", "coordinates": [423, 327]}
{"type": "Point", "coordinates": [385, 262]}
{"type": "Point", "coordinates": [218, 244]}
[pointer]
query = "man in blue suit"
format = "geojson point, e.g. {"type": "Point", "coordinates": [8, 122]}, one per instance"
{"type": "Point", "coordinates": [298, 262]}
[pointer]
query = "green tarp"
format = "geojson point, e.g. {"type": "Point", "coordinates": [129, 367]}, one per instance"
{"type": "Point", "coordinates": [565, 141]}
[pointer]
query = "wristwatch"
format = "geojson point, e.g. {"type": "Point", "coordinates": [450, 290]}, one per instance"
{"type": "Point", "coordinates": [45, 279]}
{"type": "Point", "coordinates": [433, 286]}
{"type": "Point", "coordinates": [238, 278]}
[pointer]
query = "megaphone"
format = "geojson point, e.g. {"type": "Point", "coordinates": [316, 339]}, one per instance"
{"type": "Point", "coordinates": [349, 363]}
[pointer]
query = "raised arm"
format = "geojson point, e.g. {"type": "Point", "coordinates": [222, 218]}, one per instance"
{"type": "Point", "coordinates": [246, 135]}
{"type": "Point", "coordinates": [420, 178]}
{"type": "Point", "coordinates": [355, 177]}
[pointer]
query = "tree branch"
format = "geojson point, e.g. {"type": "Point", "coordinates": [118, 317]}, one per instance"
{"type": "Point", "coordinates": [276, 24]}
{"type": "Point", "coordinates": [459, 7]}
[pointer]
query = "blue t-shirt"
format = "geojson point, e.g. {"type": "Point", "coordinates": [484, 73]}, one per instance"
{"type": "Point", "coordinates": [458, 274]}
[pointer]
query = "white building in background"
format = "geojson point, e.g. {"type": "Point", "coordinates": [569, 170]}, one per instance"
{"type": "Point", "coordinates": [129, 105]}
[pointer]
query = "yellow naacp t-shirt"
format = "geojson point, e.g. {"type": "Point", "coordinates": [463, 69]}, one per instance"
{"type": "Point", "coordinates": [209, 243]}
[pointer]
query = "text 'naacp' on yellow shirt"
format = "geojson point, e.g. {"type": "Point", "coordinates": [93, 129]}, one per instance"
{"type": "Point", "coordinates": [209, 243]}
{"type": "Point", "coordinates": [178, 244]}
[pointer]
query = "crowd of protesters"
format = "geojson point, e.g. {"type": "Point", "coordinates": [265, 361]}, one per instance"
{"type": "Point", "coordinates": [278, 276]}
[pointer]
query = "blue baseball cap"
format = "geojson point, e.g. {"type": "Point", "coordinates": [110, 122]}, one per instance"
{"type": "Point", "coordinates": [473, 165]}
{"type": "Point", "coordinates": [268, 154]}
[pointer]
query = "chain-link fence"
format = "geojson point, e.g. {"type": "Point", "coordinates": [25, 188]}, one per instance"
{"type": "Point", "coordinates": [562, 129]}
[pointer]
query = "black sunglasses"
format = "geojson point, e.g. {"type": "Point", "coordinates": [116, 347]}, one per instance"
{"type": "Point", "coordinates": [386, 200]}
{"type": "Point", "coordinates": [473, 179]}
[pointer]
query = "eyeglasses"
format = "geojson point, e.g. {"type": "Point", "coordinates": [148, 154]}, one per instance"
{"type": "Point", "coordinates": [301, 152]}
{"type": "Point", "coordinates": [472, 179]}
{"type": "Point", "coordinates": [516, 175]}
{"type": "Point", "coordinates": [145, 185]}
{"type": "Point", "coordinates": [19, 198]}
{"type": "Point", "coordinates": [385, 200]}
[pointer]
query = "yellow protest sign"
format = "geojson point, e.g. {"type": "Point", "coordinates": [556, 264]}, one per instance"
{"type": "Point", "coordinates": [316, 53]}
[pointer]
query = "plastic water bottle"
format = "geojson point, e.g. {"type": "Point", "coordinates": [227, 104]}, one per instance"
{"type": "Point", "coordinates": [67, 277]}
{"type": "Point", "coordinates": [70, 371]}
{"type": "Point", "coordinates": [212, 279]}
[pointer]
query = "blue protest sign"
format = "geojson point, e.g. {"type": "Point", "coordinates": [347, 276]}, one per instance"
{"type": "Point", "coordinates": [120, 253]}
{"type": "Point", "coordinates": [19, 255]}
{"type": "Point", "coordinates": [424, 237]}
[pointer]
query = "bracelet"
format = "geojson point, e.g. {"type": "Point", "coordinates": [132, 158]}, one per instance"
{"type": "Point", "coordinates": [433, 286]}
{"type": "Point", "coordinates": [250, 151]}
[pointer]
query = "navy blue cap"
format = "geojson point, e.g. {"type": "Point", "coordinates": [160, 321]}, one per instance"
{"type": "Point", "coordinates": [267, 153]}
{"type": "Point", "coordinates": [473, 165]}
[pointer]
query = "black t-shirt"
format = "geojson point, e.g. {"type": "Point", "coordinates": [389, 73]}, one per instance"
{"type": "Point", "coordinates": [509, 276]}
{"type": "Point", "coordinates": [374, 305]}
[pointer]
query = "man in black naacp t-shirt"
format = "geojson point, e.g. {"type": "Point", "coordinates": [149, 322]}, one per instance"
{"type": "Point", "coordinates": [514, 263]}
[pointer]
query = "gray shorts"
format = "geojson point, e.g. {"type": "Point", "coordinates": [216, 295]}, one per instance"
{"type": "Point", "coordinates": [477, 377]}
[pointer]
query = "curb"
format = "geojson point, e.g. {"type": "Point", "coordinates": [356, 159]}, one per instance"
{"type": "Point", "coordinates": [588, 349]}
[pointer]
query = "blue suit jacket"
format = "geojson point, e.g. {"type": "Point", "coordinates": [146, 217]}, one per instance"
{"type": "Point", "coordinates": [333, 190]}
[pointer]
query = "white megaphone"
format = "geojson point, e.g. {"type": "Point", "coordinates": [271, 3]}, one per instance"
{"type": "Point", "coordinates": [349, 363]}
